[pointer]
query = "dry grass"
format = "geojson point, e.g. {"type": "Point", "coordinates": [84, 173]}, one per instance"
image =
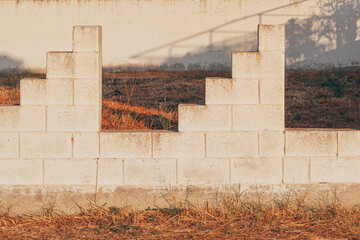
{"type": "Point", "coordinates": [122, 116]}
{"type": "Point", "coordinates": [323, 99]}
{"type": "Point", "coordinates": [230, 215]}
{"type": "Point", "coordinates": [115, 115]}
{"type": "Point", "coordinates": [149, 100]}
{"type": "Point", "coordinates": [9, 95]}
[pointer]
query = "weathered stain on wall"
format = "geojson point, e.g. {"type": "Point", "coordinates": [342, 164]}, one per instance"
{"type": "Point", "coordinates": [179, 34]}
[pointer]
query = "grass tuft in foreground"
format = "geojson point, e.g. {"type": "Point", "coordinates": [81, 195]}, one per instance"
{"type": "Point", "coordinates": [228, 215]}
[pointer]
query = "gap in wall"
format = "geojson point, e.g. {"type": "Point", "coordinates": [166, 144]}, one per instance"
{"type": "Point", "coordinates": [327, 98]}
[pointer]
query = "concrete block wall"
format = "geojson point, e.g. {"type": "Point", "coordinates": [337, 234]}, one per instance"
{"type": "Point", "coordinates": [54, 137]}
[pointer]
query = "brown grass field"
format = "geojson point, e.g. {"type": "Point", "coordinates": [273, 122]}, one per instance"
{"type": "Point", "coordinates": [148, 100]}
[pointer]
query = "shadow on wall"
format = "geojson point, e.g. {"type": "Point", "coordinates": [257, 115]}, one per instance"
{"type": "Point", "coordinates": [330, 37]}
{"type": "Point", "coordinates": [216, 55]}
{"type": "Point", "coordinates": [7, 63]}
{"type": "Point", "coordinates": [9, 71]}
{"type": "Point", "coordinates": [324, 40]}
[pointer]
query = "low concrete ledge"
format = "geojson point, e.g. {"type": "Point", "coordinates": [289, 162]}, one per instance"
{"type": "Point", "coordinates": [33, 199]}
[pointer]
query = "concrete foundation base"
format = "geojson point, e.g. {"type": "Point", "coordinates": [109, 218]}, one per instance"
{"type": "Point", "coordinates": [64, 200]}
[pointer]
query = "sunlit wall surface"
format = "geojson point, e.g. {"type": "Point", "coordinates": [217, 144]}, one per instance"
{"type": "Point", "coordinates": [180, 34]}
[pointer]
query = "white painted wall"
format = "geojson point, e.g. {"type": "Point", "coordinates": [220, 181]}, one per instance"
{"type": "Point", "coordinates": [179, 34]}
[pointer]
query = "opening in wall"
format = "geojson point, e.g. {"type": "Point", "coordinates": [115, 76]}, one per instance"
{"type": "Point", "coordinates": [10, 85]}
{"type": "Point", "coordinates": [327, 98]}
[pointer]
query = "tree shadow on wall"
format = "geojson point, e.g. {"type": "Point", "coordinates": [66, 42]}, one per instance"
{"type": "Point", "coordinates": [215, 57]}
{"type": "Point", "coordinates": [329, 43]}
{"type": "Point", "coordinates": [330, 37]}
{"type": "Point", "coordinates": [8, 63]}
{"type": "Point", "coordinates": [326, 39]}
{"type": "Point", "coordinates": [9, 71]}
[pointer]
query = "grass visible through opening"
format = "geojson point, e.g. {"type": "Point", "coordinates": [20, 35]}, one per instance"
{"type": "Point", "coordinates": [148, 100]}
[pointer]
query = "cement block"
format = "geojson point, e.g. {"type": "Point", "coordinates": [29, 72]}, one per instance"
{"type": "Point", "coordinates": [9, 145]}
{"type": "Point", "coordinates": [110, 172]}
{"type": "Point", "coordinates": [272, 90]}
{"type": "Point", "coordinates": [258, 117]}
{"type": "Point", "coordinates": [87, 38]}
{"type": "Point", "coordinates": [232, 144]}
{"type": "Point", "coordinates": [231, 91]}
{"type": "Point", "coordinates": [45, 145]}
{"type": "Point", "coordinates": [296, 170]}
{"type": "Point", "coordinates": [256, 170]}
{"type": "Point", "coordinates": [335, 170]}
{"type": "Point", "coordinates": [258, 64]}
{"type": "Point", "coordinates": [150, 171]}
{"type": "Point", "coordinates": [206, 171]}
{"type": "Point", "coordinates": [21, 172]}
{"type": "Point", "coordinates": [271, 37]}
{"type": "Point", "coordinates": [87, 92]}
{"type": "Point", "coordinates": [178, 145]}
{"type": "Point", "coordinates": [73, 65]}
{"type": "Point", "coordinates": [125, 145]}
{"type": "Point", "coordinates": [73, 118]}
{"type": "Point", "coordinates": [86, 145]}
{"type": "Point", "coordinates": [311, 143]}
{"type": "Point", "coordinates": [22, 118]}
{"type": "Point", "coordinates": [46, 91]}
{"type": "Point", "coordinates": [204, 118]}
{"type": "Point", "coordinates": [349, 143]}
{"type": "Point", "coordinates": [271, 143]}
{"type": "Point", "coordinates": [70, 172]}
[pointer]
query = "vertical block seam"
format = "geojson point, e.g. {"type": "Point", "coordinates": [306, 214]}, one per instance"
{"type": "Point", "coordinates": [176, 171]}
{"type": "Point", "coordinates": [229, 170]}
{"type": "Point", "coordinates": [284, 143]}
{"type": "Point", "coordinates": [205, 148]}
{"type": "Point", "coordinates": [231, 118]}
{"type": "Point", "coordinates": [309, 170]}
{"type": "Point", "coordinates": [96, 178]}
{"type": "Point", "coordinates": [18, 145]}
{"type": "Point", "coordinates": [152, 145]}
{"type": "Point", "coordinates": [123, 171]}
{"type": "Point", "coordinates": [337, 143]}
{"type": "Point", "coordinates": [43, 173]}
{"type": "Point", "coordinates": [259, 99]}
{"type": "Point", "coordinates": [258, 142]}
{"type": "Point", "coordinates": [46, 113]}
{"type": "Point", "coordinates": [73, 91]}
{"type": "Point", "coordinates": [99, 143]}
{"type": "Point", "coordinates": [283, 170]}
{"type": "Point", "coordinates": [72, 144]}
